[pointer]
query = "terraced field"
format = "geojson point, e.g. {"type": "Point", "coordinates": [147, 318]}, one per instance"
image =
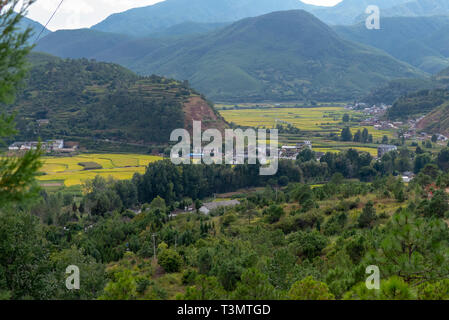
{"type": "Point", "coordinates": [315, 124]}
{"type": "Point", "coordinates": [307, 119]}
{"type": "Point", "coordinates": [68, 171]}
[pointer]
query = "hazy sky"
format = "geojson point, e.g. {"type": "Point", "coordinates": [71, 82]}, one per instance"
{"type": "Point", "coordinates": [75, 14]}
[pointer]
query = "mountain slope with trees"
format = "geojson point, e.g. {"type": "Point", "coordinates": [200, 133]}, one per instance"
{"type": "Point", "coordinates": [287, 55]}
{"type": "Point", "coordinates": [437, 121]}
{"type": "Point", "coordinates": [419, 41]}
{"type": "Point", "coordinates": [147, 20]}
{"type": "Point", "coordinates": [99, 101]}
{"type": "Point", "coordinates": [279, 56]}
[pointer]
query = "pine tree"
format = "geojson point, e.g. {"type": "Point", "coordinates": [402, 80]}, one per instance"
{"type": "Point", "coordinates": [346, 134]}
{"type": "Point", "coordinates": [17, 175]}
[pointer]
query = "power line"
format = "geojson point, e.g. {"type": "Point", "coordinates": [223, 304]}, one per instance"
{"type": "Point", "coordinates": [48, 22]}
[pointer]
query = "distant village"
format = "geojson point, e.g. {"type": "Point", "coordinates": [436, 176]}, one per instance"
{"type": "Point", "coordinates": [49, 146]}
{"type": "Point", "coordinates": [408, 128]}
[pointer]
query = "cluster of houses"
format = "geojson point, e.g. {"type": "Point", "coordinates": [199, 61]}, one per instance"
{"type": "Point", "coordinates": [375, 110]}
{"type": "Point", "coordinates": [207, 207]}
{"type": "Point", "coordinates": [48, 146]}
{"type": "Point", "coordinates": [292, 152]}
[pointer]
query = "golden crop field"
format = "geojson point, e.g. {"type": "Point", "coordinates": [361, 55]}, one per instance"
{"type": "Point", "coordinates": [315, 123]}
{"type": "Point", "coordinates": [68, 171]}
{"type": "Point", "coordinates": [313, 119]}
{"type": "Point", "coordinates": [306, 119]}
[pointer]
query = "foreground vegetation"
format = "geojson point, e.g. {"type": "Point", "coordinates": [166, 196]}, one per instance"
{"type": "Point", "coordinates": [287, 240]}
{"type": "Point", "coordinates": [307, 233]}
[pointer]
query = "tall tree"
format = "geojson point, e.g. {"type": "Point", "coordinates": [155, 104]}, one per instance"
{"type": "Point", "coordinates": [346, 134]}
{"type": "Point", "coordinates": [17, 174]}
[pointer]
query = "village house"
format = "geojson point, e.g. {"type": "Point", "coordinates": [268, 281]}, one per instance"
{"type": "Point", "coordinates": [208, 207]}
{"type": "Point", "coordinates": [48, 146]}
{"type": "Point", "coordinates": [292, 152]}
{"type": "Point", "coordinates": [384, 149]}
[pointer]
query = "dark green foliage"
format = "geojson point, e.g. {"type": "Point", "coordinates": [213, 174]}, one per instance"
{"type": "Point", "coordinates": [412, 248]}
{"type": "Point", "coordinates": [307, 244]}
{"type": "Point", "coordinates": [414, 104]}
{"type": "Point", "coordinates": [170, 260]}
{"type": "Point", "coordinates": [87, 99]}
{"type": "Point", "coordinates": [346, 134]}
{"type": "Point", "coordinates": [368, 216]}
{"type": "Point", "coordinates": [274, 213]}
{"type": "Point", "coordinates": [395, 89]}
{"type": "Point", "coordinates": [443, 159]}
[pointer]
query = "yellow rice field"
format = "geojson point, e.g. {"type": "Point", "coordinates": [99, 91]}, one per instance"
{"type": "Point", "coordinates": [306, 119]}
{"type": "Point", "coordinates": [67, 171]}
{"type": "Point", "coordinates": [315, 123]}
{"type": "Point", "coordinates": [302, 118]}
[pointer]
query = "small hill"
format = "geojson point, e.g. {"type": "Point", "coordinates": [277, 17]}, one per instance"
{"type": "Point", "coordinates": [437, 121]}
{"type": "Point", "coordinates": [85, 99]}
{"type": "Point", "coordinates": [418, 103]}
{"type": "Point", "coordinates": [393, 90]}
{"type": "Point", "coordinates": [420, 41]}
{"type": "Point", "coordinates": [81, 43]}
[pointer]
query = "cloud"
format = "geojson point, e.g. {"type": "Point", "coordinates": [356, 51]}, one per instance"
{"type": "Point", "coordinates": [75, 14]}
{"type": "Point", "coordinates": [322, 2]}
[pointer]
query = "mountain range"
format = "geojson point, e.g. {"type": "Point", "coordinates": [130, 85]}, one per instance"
{"type": "Point", "coordinates": [418, 8]}
{"type": "Point", "coordinates": [279, 56]}
{"type": "Point", "coordinates": [156, 18]}
{"type": "Point", "coordinates": [420, 41]}
{"type": "Point", "coordinates": [36, 28]}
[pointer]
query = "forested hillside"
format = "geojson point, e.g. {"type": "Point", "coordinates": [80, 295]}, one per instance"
{"type": "Point", "coordinates": [418, 103]}
{"type": "Point", "coordinates": [309, 61]}
{"type": "Point", "coordinates": [395, 89]}
{"type": "Point", "coordinates": [87, 99]}
{"type": "Point", "coordinates": [419, 41]}
{"type": "Point", "coordinates": [289, 55]}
